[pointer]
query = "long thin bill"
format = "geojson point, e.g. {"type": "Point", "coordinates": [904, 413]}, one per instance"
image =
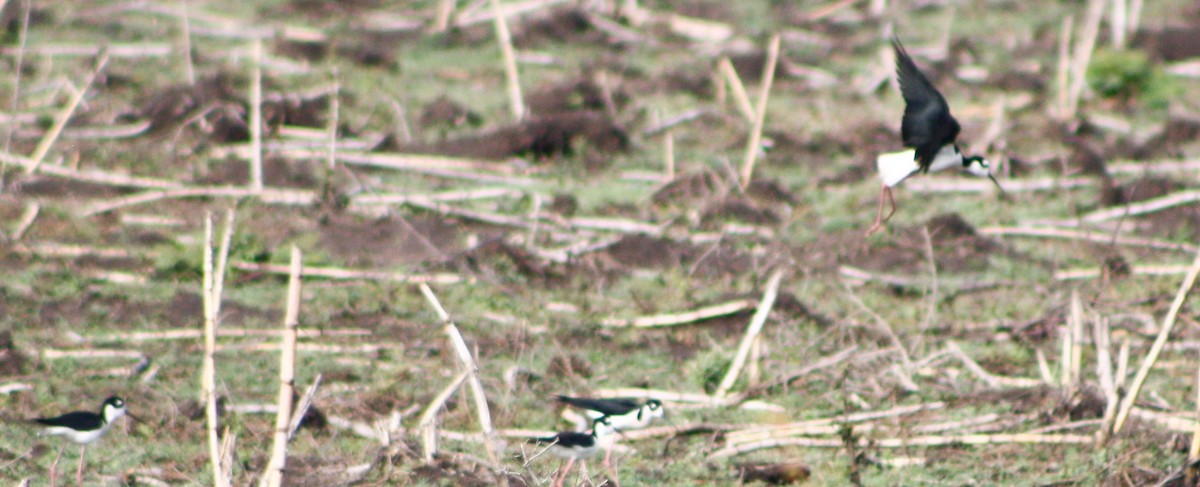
{"type": "Point", "coordinates": [998, 186]}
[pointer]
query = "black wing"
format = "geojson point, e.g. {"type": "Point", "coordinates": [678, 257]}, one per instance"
{"type": "Point", "coordinates": [607, 407]}
{"type": "Point", "coordinates": [569, 439]}
{"type": "Point", "coordinates": [76, 420]}
{"type": "Point", "coordinates": [927, 125]}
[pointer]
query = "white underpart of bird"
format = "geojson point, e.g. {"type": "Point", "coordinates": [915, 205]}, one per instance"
{"type": "Point", "coordinates": [601, 438]}
{"type": "Point", "coordinates": [80, 437]}
{"type": "Point", "coordinates": [895, 167]}
{"type": "Point", "coordinates": [636, 419]}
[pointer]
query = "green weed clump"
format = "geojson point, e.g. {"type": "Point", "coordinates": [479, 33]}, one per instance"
{"type": "Point", "coordinates": [185, 262]}
{"type": "Point", "coordinates": [1130, 77]}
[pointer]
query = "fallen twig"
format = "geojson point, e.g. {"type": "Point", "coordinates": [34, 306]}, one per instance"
{"type": "Point", "coordinates": [1142, 207]}
{"type": "Point", "coordinates": [752, 330]}
{"type": "Point", "coordinates": [740, 98]}
{"type": "Point", "coordinates": [1087, 236]}
{"type": "Point", "coordinates": [92, 175]}
{"type": "Point", "coordinates": [992, 380]}
{"type": "Point", "coordinates": [1164, 334]}
{"type": "Point", "coordinates": [55, 249]}
{"type": "Point", "coordinates": [64, 116]}
{"type": "Point", "coordinates": [427, 421]}
{"type": "Point", "coordinates": [192, 334]}
{"type": "Point", "coordinates": [267, 195]}
{"type": "Point", "coordinates": [116, 50]}
{"type": "Point", "coordinates": [313, 348]}
{"type": "Point", "coordinates": [956, 285]}
{"type": "Point", "coordinates": [1140, 270]}
{"type": "Point", "coordinates": [303, 407]}
{"type": "Point", "coordinates": [353, 274]}
{"type": "Point", "coordinates": [961, 185]}
{"type": "Point", "coordinates": [27, 217]}
{"type": "Point", "coordinates": [373, 199]}
{"type": "Point", "coordinates": [91, 353]}
{"type": "Point", "coordinates": [909, 442]}
{"type": "Point", "coordinates": [672, 319]}
{"type": "Point", "coordinates": [468, 364]}
{"type": "Point", "coordinates": [802, 427]}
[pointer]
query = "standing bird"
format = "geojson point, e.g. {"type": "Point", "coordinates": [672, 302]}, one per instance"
{"type": "Point", "coordinates": [929, 132]}
{"type": "Point", "coordinates": [82, 428]}
{"type": "Point", "coordinates": [623, 413]}
{"type": "Point", "coordinates": [575, 446]}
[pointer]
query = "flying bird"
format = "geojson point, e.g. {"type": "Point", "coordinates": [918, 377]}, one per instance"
{"type": "Point", "coordinates": [929, 132]}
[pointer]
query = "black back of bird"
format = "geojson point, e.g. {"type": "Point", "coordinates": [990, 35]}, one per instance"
{"type": "Point", "coordinates": [928, 125]}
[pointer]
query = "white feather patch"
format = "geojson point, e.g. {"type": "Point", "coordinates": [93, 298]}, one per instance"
{"type": "Point", "coordinates": [895, 167]}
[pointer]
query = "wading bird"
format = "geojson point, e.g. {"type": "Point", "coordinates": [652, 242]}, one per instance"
{"type": "Point", "coordinates": [575, 446]}
{"type": "Point", "coordinates": [82, 428]}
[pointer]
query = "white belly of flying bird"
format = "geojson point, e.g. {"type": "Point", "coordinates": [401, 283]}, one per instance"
{"type": "Point", "coordinates": [930, 133]}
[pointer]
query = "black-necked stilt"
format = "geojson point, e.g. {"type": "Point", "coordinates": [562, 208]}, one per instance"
{"type": "Point", "coordinates": [929, 132]}
{"type": "Point", "coordinates": [83, 427]}
{"type": "Point", "coordinates": [623, 413]}
{"type": "Point", "coordinates": [575, 446]}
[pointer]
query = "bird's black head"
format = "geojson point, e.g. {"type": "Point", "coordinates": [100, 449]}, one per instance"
{"type": "Point", "coordinates": [978, 166]}
{"type": "Point", "coordinates": [113, 408]}
{"type": "Point", "coordinates": [602, 427]}
{"type": "Point", "coordinates": [653, 408]}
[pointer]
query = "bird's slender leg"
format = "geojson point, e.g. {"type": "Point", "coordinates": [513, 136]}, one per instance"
{"type": "Point", "coordinates": [79, 471]}
{"type": "Point", "coordinates": [879, 218]}
{"type": "Point", "coordinates": [562, 476]}
{"type": "Point", "coordinates": [612, 470]}
{"type": "Point", "coordinates": [891, 202]}
{"type": "Point", "coordinates": [54, 466]}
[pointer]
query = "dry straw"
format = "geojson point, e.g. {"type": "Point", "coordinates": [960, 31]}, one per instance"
{"type": "Point", "coordinates": [189, 69]}
{"type": "Point", "coordinates": [1164, 334]}
{"type": "Point", "coordinates": [428, 422]}
{"type": "Point", "coordinates": [515, 100]}
{"type": "Point", "coordinates": [273, 474]}
{"type": "Point", "coordinates": [1084, 46]}
{"type": "Point", "coordinates": [467, 361]}
{"type": "Point", "coordinates": [752, 333]}
{"type": "Point", "coordinates": [736, 88]}
{"type": "Point", "coordinates": [256, 163]}
{"type": "Point", "coordinates": [64, 116]}
{"type": "Point", "coordinates": [754, 145]}
{"type": "Point", "coordinates": [214, 282]}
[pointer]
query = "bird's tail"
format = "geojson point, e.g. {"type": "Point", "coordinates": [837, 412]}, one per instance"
{"type": "Point", "coordinates": [895, 167]}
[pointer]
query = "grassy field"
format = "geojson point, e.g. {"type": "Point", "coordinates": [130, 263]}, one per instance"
{"type": "Point", "coordinates": [936, 352]}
